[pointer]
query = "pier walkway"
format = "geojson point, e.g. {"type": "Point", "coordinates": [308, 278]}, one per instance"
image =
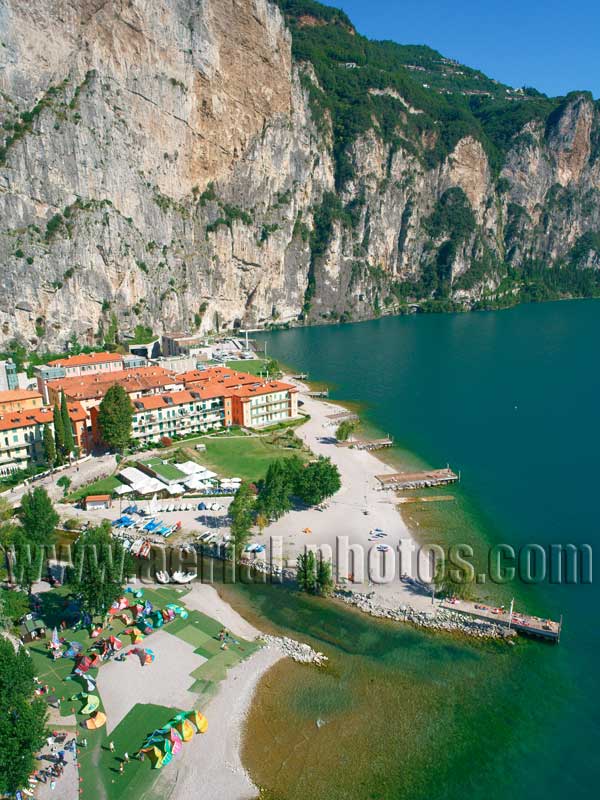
{"type": "Point", "coordinates": [343, 416]}
{"type": "Point", "coordinates": [418, 480]}
{"type": "Point", "coordinates": [522, 623]}
{"type": "Point", "coordinates": [367, 444]}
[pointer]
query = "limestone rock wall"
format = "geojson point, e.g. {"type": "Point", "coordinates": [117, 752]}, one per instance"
{"type": "Point", "coordinates": [161, 167]}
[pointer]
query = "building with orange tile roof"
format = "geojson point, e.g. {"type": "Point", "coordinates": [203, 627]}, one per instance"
{"type": "Point", "coordinates": [81, 424]}
{"type": "Point", "coordinates": [22, 435]}
{"type": "Point", "coordinates": [20, 400]}
{"type": "Point", "coordinates": [88, 363]}
{"type": "Point", "coordinates": [175, 414]}
{"type": "Point", "coordinates": [278, 401]}
{"type": "Point", "coordinates": [90, 390]}
{"type": "Point", "coordinates": [264, 404]}
{"type": "Point", "coordinates": [217, 375]}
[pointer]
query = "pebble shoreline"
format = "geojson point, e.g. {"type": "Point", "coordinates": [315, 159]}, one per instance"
{"type": "Point", "coordinates": [441, 619]}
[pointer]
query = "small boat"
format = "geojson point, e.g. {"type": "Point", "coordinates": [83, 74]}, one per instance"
{"type": "Point", "coordinates": [184, 577]}
{"type": "Point", "coordinates": [163, 577]}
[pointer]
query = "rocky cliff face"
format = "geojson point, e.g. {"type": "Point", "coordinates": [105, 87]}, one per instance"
{"type": "Point", "coordinates": [163, 165]}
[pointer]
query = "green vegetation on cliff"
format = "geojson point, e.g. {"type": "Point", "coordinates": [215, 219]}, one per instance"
{"type": "Point", "coordinates": [365, 83]}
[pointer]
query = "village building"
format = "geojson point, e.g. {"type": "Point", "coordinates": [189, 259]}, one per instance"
{"type": "Point", "coordinates": [76, 366]}
{"type": "Point", "coordinates": [22, 436]}
{"type": "Point", "coordinates": [255, 403]}
{"type": "Point", "coordinates": [264, 404]}
{"type": "Point", "coordinates": [96, 502]}
{"type": "Point", "coordinates": [176, 414]}
{"type": "Point", "coordinates": [20, 400]}
{"type": "Point", "coordinates": [181, 344]}
{"type": "Point", "coordinates": [8, 375]}
{"type": "Point", "coordinates": [90, 390]}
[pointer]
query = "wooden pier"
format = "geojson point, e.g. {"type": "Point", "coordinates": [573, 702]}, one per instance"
{"type": "Point", "coordinates": [418, 480]}
{"type": "Point", "coordinates": [434, 498]}
{"type": "Point", "coordinates": [367, 444]}
{"type": "Point", "coordinates": [343, 416]}
{"type": "Point", "coordinates": [522, 623]}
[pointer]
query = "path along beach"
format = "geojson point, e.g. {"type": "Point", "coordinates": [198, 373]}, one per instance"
{"type": "Point", "coordinates": [214, 761]}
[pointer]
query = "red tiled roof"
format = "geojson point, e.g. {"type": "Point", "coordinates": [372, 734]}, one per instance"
{"type": "Point", "coordinates": [85, 359]}
{"type": "Point", "coordinates": [218, 375]}
{"type": "Point", "coordinates": [77, 412]}
{"type": "Point", "coordinates": [160, 400]}
{"type": "Point", "coordinates": [132, 380]}
{"type": "Point", "coordinates": [170, 399]}
{"type": "Point", "coordinates": [12, 395]}
{"type": "Point", "coordinates": [12, 420]}
{"type": "Point", "coordinates": [246, 392]}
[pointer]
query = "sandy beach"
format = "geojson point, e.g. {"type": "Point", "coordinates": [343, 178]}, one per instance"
{"type": "Point", "coordinates": [211, 764]}
{"type": "Point", "coordinates": [344, 514]}
{"type": "Point", "coordinates": [213, 761]}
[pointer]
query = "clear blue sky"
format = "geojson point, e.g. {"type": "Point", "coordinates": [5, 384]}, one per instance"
{"type": "Point", "coordinates": [553, 45]}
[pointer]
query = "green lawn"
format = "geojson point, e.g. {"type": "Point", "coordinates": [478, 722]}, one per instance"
{"type": "Point", "coordinates": [103, 486]}
{"type": "Point", "coordinates": [246, 457]}
{"type": "Point", "coordinates": [99, 768]}
{"type": "Point", "coordinates": [166, 471]}
{"type": "Point", "coordinates": [253, 365]}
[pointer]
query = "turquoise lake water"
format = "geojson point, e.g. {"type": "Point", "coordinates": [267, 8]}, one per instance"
{"type": "Point", "coordinates": [511, 399]}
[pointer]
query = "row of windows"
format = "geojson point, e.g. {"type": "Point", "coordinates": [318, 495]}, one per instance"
{"type": "Point", "coordinates": [267, 398]}
{"type": "Point", "coordinates": [149, 434]}
{"type": "Point", "coordinates": [27, 438]}
{"type": "Point", "coordinates": [143, 421]}
{"type": "Point", "coordinates": [173, 413]}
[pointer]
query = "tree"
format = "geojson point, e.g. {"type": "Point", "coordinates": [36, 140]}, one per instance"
{"type": "Point", "coordinates": [115, 418]}
{"type": "Point", "coordinates": [320, 479]}
{"type": "Point", "coordinates": [13, 607]}
{"type": "Point", "coordinates": [49, 447]}
{"type": "Point", "coordinates": [262, 521]}
{"type": "Point", "coordinates": [272, 367]}
{"type": "Point", "coordinates": [306, 571]}
{"type": "Point", "coordinates": [6, 510]}
{"type": "Point", "coordinates": [241, 515]}
{"type": "Point", "coordinates": [22, 718]}
{"type": "Point", "coordinates": [274, 498]}
{"type": "Point", "coordinates": [38, 517]}
{"type": "Point", "coordinates": [452, 582]}
{"type": "Point", "coordinates": [59, 435]}
{"type": "Point", "coordinates": [26, 560]}
{"type": "Point", "coordinates": [345, 430]}
{"type": "Point", "coordinates": [64, 482]}
{"type": "Point", "coordinates": [74, 346]}
{"type": "Point", "coordinates": [100, 570]}
{"type": "Point", "coordinates": [324, 579]}
{"type": "Point", "coordinates": [67, 429]}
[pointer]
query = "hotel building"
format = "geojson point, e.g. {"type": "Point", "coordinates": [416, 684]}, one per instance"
{"type": "Point", "coordinates": [22, 436]}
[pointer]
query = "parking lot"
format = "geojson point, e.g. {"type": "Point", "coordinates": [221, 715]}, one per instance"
{"type": "Point", "coordinates": [185, 516]}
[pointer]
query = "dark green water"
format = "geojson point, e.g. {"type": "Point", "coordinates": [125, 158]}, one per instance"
{"type": "Point", "coordinates": [511, 399]}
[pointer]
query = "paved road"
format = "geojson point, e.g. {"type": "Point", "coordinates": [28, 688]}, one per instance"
{"type": "Point", "coordinates": [80, 474]}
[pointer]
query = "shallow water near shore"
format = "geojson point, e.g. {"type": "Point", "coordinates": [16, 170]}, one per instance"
{"type": "Point", "coordinates": [509, 398]}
